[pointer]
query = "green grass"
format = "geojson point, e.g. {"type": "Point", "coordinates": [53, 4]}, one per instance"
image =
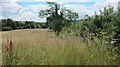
{"type": "Point", "coordinates": [40, 47]}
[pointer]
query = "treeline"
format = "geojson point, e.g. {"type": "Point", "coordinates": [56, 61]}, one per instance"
{"type": "Point", "coordinates": [9, 24]}
{"type": "Point", "coordinates": [105, 25]}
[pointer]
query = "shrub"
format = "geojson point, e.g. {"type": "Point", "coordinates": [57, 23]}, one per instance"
{"type": "Point", "coordinates": [6, 28]}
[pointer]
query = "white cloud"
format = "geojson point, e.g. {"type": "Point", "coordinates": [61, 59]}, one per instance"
{"type": "Point", "coordinates": [29, 16]}
{"type": "Point", "coordinates": [54, 0]}
{"type": "Point", "coordinates": [1, 17]}
{"type": "Point", "coordinates": [18, 12]}
{"type": "Point", "coordinates": [12, 7]}
{"type": "Point", "coordinates": [75, 0]}
{"type": "Point", "coordinates": [58, 0]}
{"type": "Point", "coordinates": [82, 10]}
{"type": "Point", "coordinates": [79, 8]}
{"type": "Point", "coordinates": [100, 5]}
{"type": "Point", "coordinates": [37, 8]}
{"type": "Point", "coordinates": [112, 0]}
{"type": "Point", "coordinates": [9, 0]}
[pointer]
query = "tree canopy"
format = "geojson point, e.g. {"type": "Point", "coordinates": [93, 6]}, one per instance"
{"type": "Point", "coordinates": [57, 16]}
{"type": "Point", "coordinates": [9, 24]}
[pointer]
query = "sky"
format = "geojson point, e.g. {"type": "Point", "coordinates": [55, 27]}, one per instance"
{"type": "Point", "coordinates": [28, 10]}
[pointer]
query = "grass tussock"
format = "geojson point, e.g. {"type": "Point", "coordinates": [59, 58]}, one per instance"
{"type": "Point", "coordinates": [40, 47]}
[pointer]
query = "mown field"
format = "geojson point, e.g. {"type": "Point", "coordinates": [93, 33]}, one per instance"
{"type": "Point", "coordinates": [41, 47]}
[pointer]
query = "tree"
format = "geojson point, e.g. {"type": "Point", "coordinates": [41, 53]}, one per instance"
{"type": "Point", "coordinates": [57, 17]}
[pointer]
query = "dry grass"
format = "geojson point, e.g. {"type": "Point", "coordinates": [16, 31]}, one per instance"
{"type": "Point", "coordinates": [0, 48]}
{"type": "Point", "coordinates": [40, 47]}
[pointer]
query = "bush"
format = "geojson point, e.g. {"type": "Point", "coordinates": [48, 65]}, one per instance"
{"type": "Point", "coordinates": [71, 29]}
{"type": "Point", "coordinates": [6, 28]}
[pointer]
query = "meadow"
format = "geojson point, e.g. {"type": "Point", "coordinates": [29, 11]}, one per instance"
{"type": "Point", "coordinates": [42, 47]}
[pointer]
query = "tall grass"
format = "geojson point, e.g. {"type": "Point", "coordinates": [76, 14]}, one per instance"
{"type": "Point", "coordinates": [40, 47]}
{"type": "Point", "coordinates": [0, 48]}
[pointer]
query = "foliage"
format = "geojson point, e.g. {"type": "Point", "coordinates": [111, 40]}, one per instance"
{"type": "Point", "coordinates": [72, 29]}
{"type": "Point", "coordinates": [55, 20]}
{"type": "Point", "coordinates": [6, 28]}
{"type": "Point", "coordinates": [9, 24]}
{"type": "Point", "coordinates": [104, 25]}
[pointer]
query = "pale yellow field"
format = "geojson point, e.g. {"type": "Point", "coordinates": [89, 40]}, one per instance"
{"type": "Point", "coordinates": [40, 47]}
{"type": "Point", "coordinates": [0, 48]}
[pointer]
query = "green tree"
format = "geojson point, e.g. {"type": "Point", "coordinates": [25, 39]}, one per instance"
{"type": "Point", "coordinates": [57, 17]}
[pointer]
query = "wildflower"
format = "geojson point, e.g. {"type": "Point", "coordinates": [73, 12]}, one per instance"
{"type": "Point", "coordinates": [9, 45]}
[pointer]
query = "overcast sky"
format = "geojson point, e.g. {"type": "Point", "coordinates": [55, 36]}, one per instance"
{"type": "Point", "coordinates": [28, 9]}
